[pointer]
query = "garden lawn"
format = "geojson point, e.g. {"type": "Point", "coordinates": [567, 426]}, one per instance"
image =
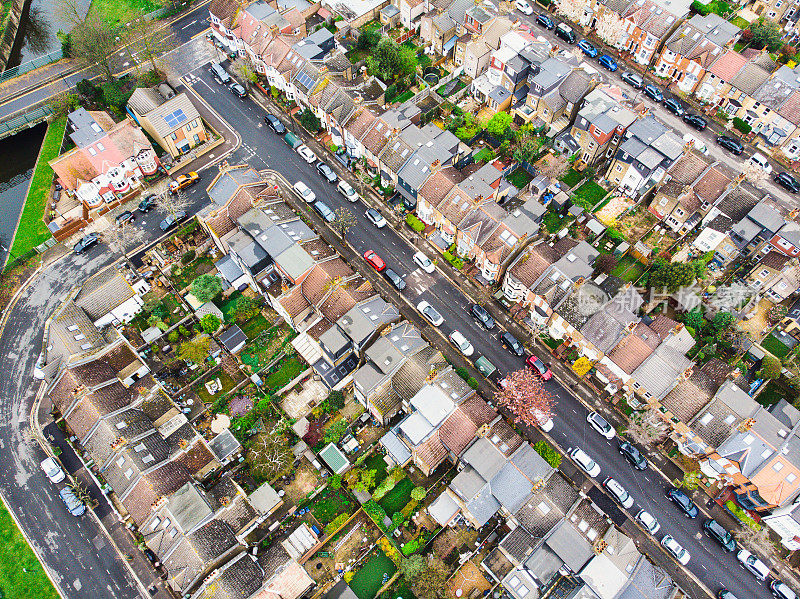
{"type": "Point", "coordinates": [369, 579]}
{"type": "Point", "coordinates": [329, 504]}
{"type": "Point", "coordinates": [771, 395]}
{"type": "Point", "coordinates": [21, 574]}
{"type": "Point", "coordinates": [591, 193]}
{"type": "Point", "coordinates": [32, 230]}
{"type": "Point", "coordinates": [228, 305]}
{"type": "Point", "coordinates": [740, 22]}
{"type": "Point", "coordinates": [376, 462]}
{"type": "Point", "coordinates": [552, 221]}
{"type": "Point", "coordinates": [254, 326]}
{"type": "Point", "coordinates": [519, 178]}
{"type": "Point", "coordinates": [629, 269]}
{"type": "Point", "coordinates": [288, 370]}
{"type": "Point", "coordinates": [572, 178]}
{"type": "Point", "coordinates": [483, 154]}
{"type": "Point", "coordinates": [775, 347]}
{"type": "Point", "coordinates": [397, 498]}
{"type": "Point", "coordinates": [404, 97]}
{"type": "Point", "coordinates": [227, 384]}
{"type": "Point", "coordinates": [120, 12]}
{"type": "Point", "coordinates": [191, 271]}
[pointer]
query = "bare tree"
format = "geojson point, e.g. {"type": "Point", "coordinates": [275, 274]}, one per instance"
{"type": "Point", "coordinates": [757, 540]}
{"type": "Point", "coordinates": [94, 43]}
{"type": "Point", "coordinates": [754, 173]}
{"type": "Point", "coordinates": [609, 27]}
{"type": "Point", "coordinates": [150, 41]}
{"type": "Point", "coordinates": [554, 166]}
{"type": "Point", "coordinates": [345, 220]}
{"type": "Point", "coordinates": [574, 10]}
{"type": "Point", "coordinates": [123, 239]}
{"type": "Point", "coordinates": [645, 427]}
{"type": "Point", "coordinates": [71, 12]}
{"type": "Point", "coordinates": [267, 456]}
{"type": "Point", "coordinates": [172, 203]}
{"type": "Point", "coordinates": [524, 394]}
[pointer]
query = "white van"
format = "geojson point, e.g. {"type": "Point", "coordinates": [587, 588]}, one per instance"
{"type": "Point", "coordinates": [761, 161]}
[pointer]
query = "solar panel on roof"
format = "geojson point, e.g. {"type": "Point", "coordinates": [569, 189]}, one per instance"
{"type": "Point", "coordinates": [175, 118]}
{"type": "Point", "coordinates": [305, 80]}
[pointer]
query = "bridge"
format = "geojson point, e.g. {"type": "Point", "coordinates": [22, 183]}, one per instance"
{"type": "Point", "coordinates": [26, 120]}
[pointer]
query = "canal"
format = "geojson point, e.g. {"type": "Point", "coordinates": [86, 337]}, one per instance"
{"type": "Point", "coordinates": [17, 159]}
{"type": "Point", "coordinates": [39, 29]}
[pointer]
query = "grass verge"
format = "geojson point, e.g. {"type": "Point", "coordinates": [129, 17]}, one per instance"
{"type": "Point", "coordinates": [32, 230]}
{"type": "Point", "coordinates": [119, 12]}
{"type": "Point", "coordinates": [21, 574]}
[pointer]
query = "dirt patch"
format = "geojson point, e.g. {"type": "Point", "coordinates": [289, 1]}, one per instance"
{"type": "Point", "coordinates": [635, 225]}
{"type": "Point", "coordinates": [306, 480]}
{"type": "Point", "coordinates": [758, 324]}
{"type": "Point", "coordinates": [343, 549]}
{"type": "Point", "coordinates": [14, 277]}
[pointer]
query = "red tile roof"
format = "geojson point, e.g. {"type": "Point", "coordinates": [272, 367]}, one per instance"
{"type": "Point", "coordinates": [727, 65]}
{"type": "Point", "coordinates": [457, 431]}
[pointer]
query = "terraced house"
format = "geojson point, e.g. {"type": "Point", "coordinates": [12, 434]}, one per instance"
{"type": "Point", "coordinates": [647, 25]}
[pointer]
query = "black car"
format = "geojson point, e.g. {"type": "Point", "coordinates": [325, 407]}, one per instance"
{"type": "Point", "coordinates": [716, 531]}
{"type": "Point", "coordinates": [674, 106]}
{"type": "Point", "coordinates": [85, 243]}
{"type": "Point", "coordinates": [148, 203]}
{"type": "Point", "coordinates": [327, 172]}
{"type": "Point", "coordinates": [124, 218]}
{"type": "Point", "coordinates": [395, 279]}
{"type": "Point", "coordinates": [730, 144]}
{"type": "Point", "coordinates": [633, 79]}
{"type": "Point", "coordinates": [695, 121]}
{"type": "Point", "coordinates": [633, 455]}
{"type": "Point", "coordinates": [172, 220]}
{"type": "Point", "coordinates": [565, 32]}
{"type": "Point", "coordinates": [275, 124]}
{"type": "Point", "coordinates": [482, 316]}
{"type": "Point", "coordinates": [787, 181]}
{"type": "Point", "coordinates": [237, 89]}
{"type": "Point", "coordinates": [545, 21]}
{"type": "Point", "coordinates": [684, 503]}
{"type": "Point", "coordinates": [512, 344]}
{"type": "Point", "coordinates": [653, 92]}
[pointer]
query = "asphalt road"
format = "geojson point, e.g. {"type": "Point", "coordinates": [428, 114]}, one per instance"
{"type": "Point", "coordinates": [263, 149]}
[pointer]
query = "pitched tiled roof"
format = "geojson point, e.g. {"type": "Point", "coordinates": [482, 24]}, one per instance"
{"type": "Point", "coordinates": [223, 9]}
{"type": "Point", "coordinates": [688, 168]}
{"type": "Point", "coordinates": [504, 438]}
{"type": "Point", "coordinates": [727, 65]}
{"type": "Point", "coordinates": [711, 185]}
{"type": "Point", "coordinates": [360, 123]}
{"type": "Point", "coordinates": [749, 78]}
{"type": "Point", "coordinates": [432, 452]}
{"type": "Point", "coordinates": [632, 350]}
{"type": "Point", "coordinates": [663, 325]}
{"type": "Point", "coordinates": [775, 260]}
{"type": "Point", "coordinates": [438, 186]}
{"type": "Point", "coordinates": [478, 410]}
{"type": "Point", "coordinates": [536, 259]}
{"type": "Point", "coordinates": [457, 431]}
{"type": "Point", "coordinates": [791, 108]}
{"type": "Point", "coordinates": [456, 205]}
{"type": "Point", "coordinates": [377, 137]}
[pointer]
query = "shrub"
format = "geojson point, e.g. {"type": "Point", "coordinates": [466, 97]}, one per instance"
{"type": "Point", "coordinates": [335, 481]}
{"type": "Point", "coordinates": [375, 512]}
{"type": "Point", "coordinates": [336, 399]}
{"type": "Point", "coordinates": [411, 547]}
{"type": "Point", "coordinates": [472, 382]}
{"type": "Point", "coordinates": [418, 493]}
{"type": "Point", "coordinates": [172, 336]}
{"type": "Point", "coordinates": [210, 323]}
{"type": "Point", "coordinates": [700, 8]}
{"type": "Point", "coordinates": [387, 485]}
{"type": "Point", "coordinates": [397, 520]}
{"type": "Point", "coordinates": [550, 455]}
{"type": "Point", "coordinates": [263, 404]}
{"type": "Point", "coordinates": [310, 121]}
{"type": "Point", "coordinates": [462, 372]}
{"type": "Point", "coordinates": [741, 125]}
{"type": "Point", "coordinates": [188, 257]}
{"type": "Point", "coordinates": [417, 225]}
{"type": "Point", "coordinates": [741, 515]}
{"type": "Point", "coordinates": [336, 523]}
{"type": "Point", "coordinates": [183, 331]}
{"type": "Point", "coordinates": [770, 367]}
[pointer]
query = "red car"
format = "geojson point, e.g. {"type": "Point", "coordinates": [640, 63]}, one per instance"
{"type": "Point", "coordinates": [539, 367]}
{"type": "Point", "coordinates": [374, 260]}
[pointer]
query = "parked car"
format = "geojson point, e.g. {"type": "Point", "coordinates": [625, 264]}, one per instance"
{"type": "Point", "coordinates": [607, 62]}
{"type": "Point", "coordinates": [618, 492]}
{"type": "Point", "coordinates": [374, 260]}
{"type": "Point", "coordinates": [648, 522]}
{"type": "Point", "coordinates": [716, 531]}
{"type": "Point", "coordinates": [375, 217]}
{"type": "Point", "coordinates": [674, 106]}
{"type": "Point", "coordinates": [760, 161]}
{"type": "Point", "coordinates": [587, 464]}
{"type": "Point", "coordinates": [781, 591]}
{"type": "Point", "coordinates": [430, 313]}
{"type": "Point", "coordinates": [350, 194]}
{"type": "Point", "coordinates": [588, 48]}
{"type": "Point", "coordinates": [539, 367]}
{"type": "Point", "coordinates": [124, 217]}
{"type": "Point", "coordinates": [148, 203]}
{"type": "Point", "coordinates": [545, 21]}
{"type": "Point", "coordinates": [725, 594]}
{"type": "Point", "coordinates": [74, 505]}
{"type": "Point", "coordinates": [684, 503]}
{"type": "Point", "coordinates": [183, 181]}
{"type": "Point", "coordinates": [524, 7]}
{"type": "Point", "coordinates": [85, 243]}
{"type": "Point", "coordinates": [675, 549]}
{"type": "Point", "coordinates": [327, 172]}
{"type": "Point", "coordinates": [480, 314]}
{"type": "Point", "coordinates": [423, 262]}
{"type": "Point", "coordinates": [275, 124]}
{"type": "Point", "coordinates": [324, 211]}
{"type": "Point", "coordinates": [633, 455]}
{"type": "Point", "coordinates": [512, 344]}
{"type": "Point", "coordinates": [53, 470]}
{"type": "Point", "coordinates": [787, 181]}
{"type": "Point", "coordinates": [601, 425]}
{"type": "Point", "coordinates": [395, 279]}
{"type": "Point", "coordinates": [306, 154]}
{"type": "Point", "coordinates": [172, 220]}
{"type": "Point", "coordinates": [461, 343]}
{"type": "Point", "coordinates": [730, 144]}
{"type": "Point", "coordinates": [635, 80]}
{"type": "Point", "coordinates": [695, 121]}
{"type": "Point", "coordinates": [652, 92]}
{"type": "Point", "coordinates": [565, 32]}
{"type": "Point", "coordinates": [219, 74]}
{"type": "Point", "coordinates": [752, 564]}
{"type": "Point", "coordinates": [304, 192]}
{"type": "Point", "coordinates": [237, 89]}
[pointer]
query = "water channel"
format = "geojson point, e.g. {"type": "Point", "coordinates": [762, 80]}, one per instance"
{"type": "Point", "coordinates": [39, 29]}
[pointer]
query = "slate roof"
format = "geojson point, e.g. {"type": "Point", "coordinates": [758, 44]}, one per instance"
{"type": "Point", "coordinates": [749, 78]}
{"type": "Point", "coordinates": [530, 264]}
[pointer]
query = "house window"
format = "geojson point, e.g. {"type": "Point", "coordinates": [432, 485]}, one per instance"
{"type": "Point", "coordinates": [763, 273]}
{"type": "Point", "coordinates": [196, 138]}
{"type": "Point", "coordinates": [173, 136]}
{"type": "Point", "coordinates": [777, 466]}
{"type": "Point", "coordinates": [92, 151]}
{"type": "Point", "coordinates": [194, 123]}
{"type": "Point", "coordinates": [619, 168]}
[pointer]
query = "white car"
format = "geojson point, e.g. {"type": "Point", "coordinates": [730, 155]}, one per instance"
{"type": "Point", "coordinates": [424, 262]}
{"type": "Point", "coordinates": [464, 346]}
{"type": "Point", "coordinates": [53, 470]}
{"type": "Point", "coordinates": [306, 154]}
{"type": "Point", "coordinates": [375, 217]}
{"type": "Point", "coordinates": [545, 422]}
{"type": "Point", "coordinates": [304, 192]}
{"type": "Point", "coordinates": [601, 425]}
{"type": "Point", "coordinates": [618, 492]}
{"type": "Point", "coordinates": [347, 191]}
{"type": "Point", "coordinates": [752, 564]}
{"type": "Point", "coordinates": [761, 162]}
{"type": "Point", "coordinates": [675, 549]}
{"type": "Point", "coordinates": [524, 7]}
{"type": "Point", "coordinates": [430, 313]}
{"type": "Point", "coordinates": [648, 522]}
{"type": "Point", "coordinates": [587, 464]}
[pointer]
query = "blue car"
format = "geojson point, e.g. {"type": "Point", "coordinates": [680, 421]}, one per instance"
{"type": "Point", "coordinates": [545, 21]}
{"type": "Point", "coordinates": [606, 61]}
{"type": "Point", "coordinates": [587, 48]}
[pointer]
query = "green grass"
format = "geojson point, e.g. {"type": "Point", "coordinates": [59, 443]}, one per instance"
{"type": "Point", "coordinates": [771, 395]}
{"type": "Point", "coordinates": [591, 193]}
{"type": "Point", "coordinates": [254, 326]}
{"type": "Point", "coordinates": [404, 97]}
{"type": "Point", "coordinates": [519, 178]}
{"type": "Point", "coordinates": [288, 370]}
{"type": "Point", "coordinates": [572, 178]}
{"type": "Point", "coordinates": [32, 230]}
{"type": "Point", "coordinates": [369, 579]}
{"type": "Point", "coordinates": [191, 271]}
{"type": "Point", "coordinates": [483, 154]}
{"type": "Point", "coordinates": [329, 504]}
{"type": "Point", "coordinates": [775, 347]}
{"type": "Point", "coordinates": [5, 14]}
{"type": "Point", "coordinates": [397, 498]}
{"type": "Point", "coordinates": [376, 462]}
{"type": "Point", "coordinates": [120, 12]}
{"type": "Point", "coordinates": [552, 222]}
{"type": "Point", "coordinates": [228, 306]}
{"type": "Point", "coordinates": [227, 384]}
{"type": "Point", "coordinates": [629, 269]}
{"type": "Point", "coordinates": [740, 22]}
{"type": "Point", "coordinates": [21, 574]}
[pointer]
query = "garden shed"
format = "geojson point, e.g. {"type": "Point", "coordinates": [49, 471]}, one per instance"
{"type": "Point", "coordinates": [233, 339]}
{"type": "Point", "coordinates": [334, 458]}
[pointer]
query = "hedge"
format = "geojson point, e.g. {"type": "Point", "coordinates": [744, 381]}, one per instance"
{"type": "Point", "coordinates": [412, 546]}
{"type": "Point", "coordinates": [455, 261]}
{"type": "Point", "coordinates": [550, 455]}
{"type": "Point", "coordinates": [741, 125]}
{"type": "Point", "coordinates": [741, 515]}
{"type": "Point", "coordinates": [334, 525]}
{"type": "Point", "coordinates": [416, 224]}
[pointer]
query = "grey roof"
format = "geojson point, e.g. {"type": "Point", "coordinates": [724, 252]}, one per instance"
{"type": "Point", "coordinates": [519, 543]}
{"type": "Point", "coordinates": [265, 498]}
{"type": "Point", "coordinates": [163, 120]}
{"type": "Point", "coordinates": [416, 171]}
{"type": "Point", "coordinates": [468, 483]}
{"type": "Point", "coordinates": [223, 189]}
{"type": "Point", "coordinates": [525, 218]}
{"type": "Point", "coordinates": [570, 545]}
{"type": "Point", "coordinates": [390, 10]}
{"type": "Point", "coordinates": [334, 340]}
{"type": "Point", "coordinates": [224, 445]}
{"type": "Point", "coordinates": [749, 78]}
{"type": "Point", "coordinates": [747, 230]}
{"type": "Point", "coordinates": [396, 154]}
{"type": "Point", "coordinates": [716, 29]}
{"type": "Point", "coordinates": [484, 506]}
{"type": "Point", "coordinates": [648, 581]}
{"type": "Point", "coordinates": [484, 457]}
{"type": "Point", "coordinates": [189, 507]}
{"type": "Point", "coordinates": [766, 216]}
{"type": "Point", "coordinates": [294, 261]}
{"type": "Point", "coordinates": [479, 14]}
{"type": "Point", "coordinates": [543, 563]}
{"type": "Point", "coordinates": [659, 372]}
{"type": "Point", "coordinates": [260, 9]}
{"type": "Point", "coordinates": [102, 293]}
{"type": "Point", "coordinates": [86, 129]}
{"type": "Point", "coordinates": [233, 338]}
{"type": "Point", "coordinates": [228, 268]}
{"type": "Point", "coordinates": [398, 450]}
{"type": "Point", "coordinates": [499, 94]}
{"type": "Point", "coordinates": [145, 99]}
{"type": "Point", "coordinates": [367, 317]}
{"type": "Point", "coordinates": [647, 129]}
{"type": "Point", "coordinates": [252, 254]}
{"type": "Point", "coordinates": [551, 72]}
{"type": "Point", "coordinates": [511, 489]}
{"type": "Point", "coordinates": [575, 86]}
